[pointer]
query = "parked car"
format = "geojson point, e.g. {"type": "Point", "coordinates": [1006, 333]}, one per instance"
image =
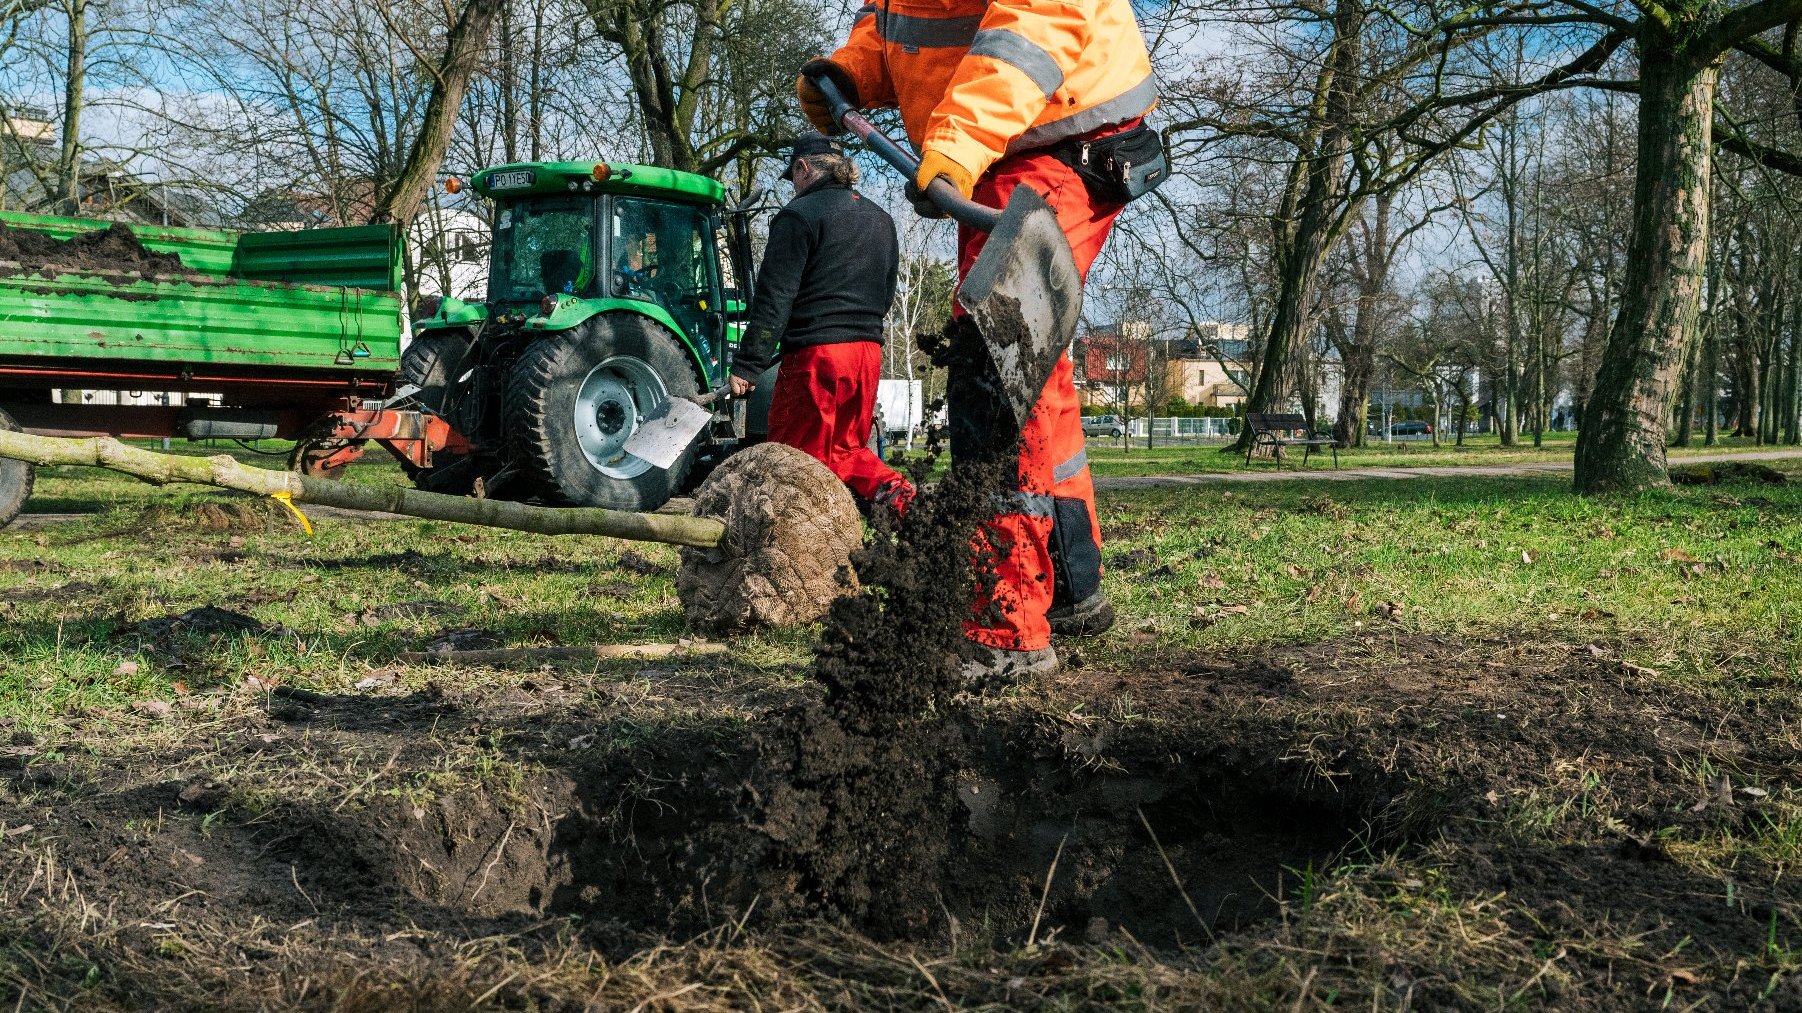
{"type": "Point", "coordinates": [1411, 428]}
{"type": "Point", "coordinates": [1103, 425]}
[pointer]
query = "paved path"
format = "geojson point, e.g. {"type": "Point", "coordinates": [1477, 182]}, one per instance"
{"type": "Point", "coordinates": [1270, 473]}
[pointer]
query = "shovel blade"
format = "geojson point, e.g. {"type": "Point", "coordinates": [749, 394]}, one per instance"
{"type": "Point", "coordinates": [668, 431]}
{"type": "Point", "coordinates": [1025, 294]}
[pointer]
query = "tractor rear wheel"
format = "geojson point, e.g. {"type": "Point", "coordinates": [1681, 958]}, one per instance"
{"type": "Point", "coordinates": [431, 363]}
{"type": "Point", "coordinates": [574, 399]}
{"type": "Point", "coordinates": [16, 479]}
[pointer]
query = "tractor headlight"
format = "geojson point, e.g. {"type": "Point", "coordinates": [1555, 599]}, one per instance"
{"type": "Point", "coordinates": [429, 307]}
{"type": "Point", "coordinates": [547, 305]}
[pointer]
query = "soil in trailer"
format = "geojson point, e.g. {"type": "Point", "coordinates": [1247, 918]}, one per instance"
{"type": "Point", "coordinates": [115, 248]}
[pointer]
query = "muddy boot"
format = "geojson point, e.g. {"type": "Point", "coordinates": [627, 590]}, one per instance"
{"type": "Point", "coordinates": [991, 668]}
{"type": "Point", "coordinates": [1090, 617]}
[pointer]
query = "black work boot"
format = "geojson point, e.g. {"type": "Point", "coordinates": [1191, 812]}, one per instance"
{"type": "Point", "coordinates": [1090, 617]}
{"type": "Point", "coordinates": [991, 668]}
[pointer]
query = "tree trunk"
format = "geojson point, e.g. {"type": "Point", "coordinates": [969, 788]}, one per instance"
{"type": "Point", "coordinates": [463, 47]}
{"type": "Point", "coordinates": [1621, 446]}
{"type": "Point", "coordinates": [1313, 209]}
{"type": "Point", "coordinates": [75, 70]}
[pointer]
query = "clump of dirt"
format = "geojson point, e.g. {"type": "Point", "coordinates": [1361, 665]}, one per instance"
{"type": "Point", "coordinates": [206, 621]}
{"type": "Point", "coordinates": [791, 527]}
{"type": "Point", "coordinates": [248, 514]}
{"type": "Point", "coordinates": [1731, 471]}
{"type": "Point", "coordinates": [115, 248]}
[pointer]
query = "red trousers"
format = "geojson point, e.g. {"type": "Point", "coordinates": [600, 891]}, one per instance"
{"type": "Point", "coordinates": [1045, 541]}
{"type": "Point", "coordinates": [824, 402]}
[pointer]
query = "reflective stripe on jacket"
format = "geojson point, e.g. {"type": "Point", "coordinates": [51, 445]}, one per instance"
{"type": "Point", "coordinates": [979, 79]}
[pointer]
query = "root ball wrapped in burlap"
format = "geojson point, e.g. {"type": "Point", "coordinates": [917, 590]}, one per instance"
{"type": "Point", "coordinates": [791, 527]}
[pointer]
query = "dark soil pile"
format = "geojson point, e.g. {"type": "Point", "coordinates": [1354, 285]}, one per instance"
{"type": "Point", "coordinates": [860, 793]}
{"type": "Point", "coordinates": [115, 248]}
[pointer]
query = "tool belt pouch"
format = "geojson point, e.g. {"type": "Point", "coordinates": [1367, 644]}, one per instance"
{"type": "Point", "coordinates": [1120, 168]}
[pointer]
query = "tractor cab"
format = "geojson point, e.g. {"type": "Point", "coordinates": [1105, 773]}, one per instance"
{"type": "Point", "coordinates": [612, 289]}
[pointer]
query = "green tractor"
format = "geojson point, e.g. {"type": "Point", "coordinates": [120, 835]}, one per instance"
{"type": "Point", "coordinates": [611, 292]}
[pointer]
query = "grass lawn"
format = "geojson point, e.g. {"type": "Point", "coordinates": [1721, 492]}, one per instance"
{"type": "Point", "coordinates": [1452, 744]}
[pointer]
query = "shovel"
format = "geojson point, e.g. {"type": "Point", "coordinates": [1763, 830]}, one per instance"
{"type": "Point", "coordinates": [1024, 291]}
{"type": "Point", "coordinates": [669, 429]}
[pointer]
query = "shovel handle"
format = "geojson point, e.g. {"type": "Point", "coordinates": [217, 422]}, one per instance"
{"type": "Point", "coordinates": [967, 212]}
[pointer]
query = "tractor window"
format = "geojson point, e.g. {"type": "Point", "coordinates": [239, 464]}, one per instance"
{"type": "Point", "coordinates": [542, 247]}
{"type": "Point", "coordinates": [664, 253]}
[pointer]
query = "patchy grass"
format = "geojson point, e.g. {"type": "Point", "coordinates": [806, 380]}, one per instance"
{"type": "Point", "coordinates": [1697, 580]}
{"type": "Point", "coordinates": [1560, 734]}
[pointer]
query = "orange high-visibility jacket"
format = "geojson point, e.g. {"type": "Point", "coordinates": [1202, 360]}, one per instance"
{"type": "Point", "coordinates": [979, 79]}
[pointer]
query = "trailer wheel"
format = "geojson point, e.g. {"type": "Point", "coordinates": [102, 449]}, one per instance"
{"type": "Point", "coordinates": [16, 479]}
{"type": "Point", "coordinates": [574, 399]}
{"type": "Point", "coordinates": [428, 363]}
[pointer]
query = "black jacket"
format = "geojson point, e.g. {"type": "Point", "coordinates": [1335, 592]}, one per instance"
{"type": "Point", "coordinates": [828, 275]}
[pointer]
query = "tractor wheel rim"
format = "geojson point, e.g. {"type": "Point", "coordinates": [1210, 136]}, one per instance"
{"type": "Point", "coordinates": [613, 400]}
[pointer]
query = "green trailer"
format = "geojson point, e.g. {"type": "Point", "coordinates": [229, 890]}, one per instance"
{"type": "Point", "coordinates": [257, 336]}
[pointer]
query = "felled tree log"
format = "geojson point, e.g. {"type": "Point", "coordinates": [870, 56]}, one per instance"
{"type": "Point", "coordinates": [226, 473]}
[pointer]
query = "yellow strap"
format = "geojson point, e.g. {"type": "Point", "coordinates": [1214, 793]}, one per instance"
{"type": "Point", "coordinates": [286, 498]}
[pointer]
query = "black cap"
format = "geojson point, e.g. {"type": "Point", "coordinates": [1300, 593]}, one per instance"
{"type": "Point", "coordinates": [810, 143]}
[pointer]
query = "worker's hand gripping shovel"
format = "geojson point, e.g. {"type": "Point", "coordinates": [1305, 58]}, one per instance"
{"type": "Point", "coordinates": [1024, 291]}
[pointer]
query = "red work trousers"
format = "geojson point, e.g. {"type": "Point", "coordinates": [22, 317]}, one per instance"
{"type": "Point", "coordinates": [1045, 541]}
{"type": "Point", "coordinates": [824, 402]}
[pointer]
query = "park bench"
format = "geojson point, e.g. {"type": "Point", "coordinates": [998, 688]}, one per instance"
{"type": "Point", "coordinates": [1277, 432]}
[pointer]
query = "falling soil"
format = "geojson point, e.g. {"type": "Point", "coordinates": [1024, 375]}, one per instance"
{"type": "Point", "coordinates": [115, 248]}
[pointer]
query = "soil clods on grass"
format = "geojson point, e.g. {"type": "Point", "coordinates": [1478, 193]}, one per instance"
{"type": "Point", "coordinates": [1328, 813]}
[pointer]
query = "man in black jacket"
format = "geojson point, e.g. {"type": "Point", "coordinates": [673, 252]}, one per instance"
{"type": "Point", "coordinates": [823, 291]}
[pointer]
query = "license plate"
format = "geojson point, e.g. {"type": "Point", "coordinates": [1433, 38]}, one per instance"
{"type": "Point", "coordinates": [514, 180]}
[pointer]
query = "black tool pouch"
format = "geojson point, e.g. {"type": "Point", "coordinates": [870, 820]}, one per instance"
{"type": "Point", "coordinates": [1120, 168]}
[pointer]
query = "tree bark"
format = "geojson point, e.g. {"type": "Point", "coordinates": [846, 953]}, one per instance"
{"type": "Point", "coordinates": [1622, 442]}
{"type": "Point", "coordinates": [463, 46]}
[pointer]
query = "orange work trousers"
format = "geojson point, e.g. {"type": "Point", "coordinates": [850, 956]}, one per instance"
{"type": "Point", "coordinates": [1043, 546]}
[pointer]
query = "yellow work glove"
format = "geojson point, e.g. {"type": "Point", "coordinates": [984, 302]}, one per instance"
{"type": "Point", "coordinates": [813, 103]}
{"type": "Point", "coordinates": [936, 164]}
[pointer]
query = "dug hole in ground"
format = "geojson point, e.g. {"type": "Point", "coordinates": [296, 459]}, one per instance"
{"type": "Point", "coordinates": [1309, 827]}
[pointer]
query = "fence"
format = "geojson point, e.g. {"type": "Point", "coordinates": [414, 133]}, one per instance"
{"type": "Point", "coordinates": [1184, 430]}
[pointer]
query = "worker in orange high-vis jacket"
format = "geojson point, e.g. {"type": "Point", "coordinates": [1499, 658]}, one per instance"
{"type": "Point", "coordinates": [996, 94]}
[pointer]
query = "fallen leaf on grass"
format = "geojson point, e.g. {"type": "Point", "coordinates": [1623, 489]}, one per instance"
{"type": "Point", "coordinates": [1753, 792]}
{"type": "Point", "coordinates": [126, 668]}
{"type": "Point", "coordinates": [1527, 558]}
{"type": "Point", "coordinates": [1393, 610]}
{"type": "Point", "coordinates": [1351, 603]}
{"type": "Point", "coordinates": [1591, 615]}
{"type": "Point", "coordinates": [582, 741]}
{"type": "Point", "coordinates": [376, 680]}
{"type": "Point", "coordinates": [1677, 556]}
{"type": "Point", "coordinates": [155, 710]}
{"type": "Point", "coordinates": [1640, 670]}
{"type": "Point", "coordinates": [1212, 581]}
{"type": "Point", "coordinates": [1297, 572]}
